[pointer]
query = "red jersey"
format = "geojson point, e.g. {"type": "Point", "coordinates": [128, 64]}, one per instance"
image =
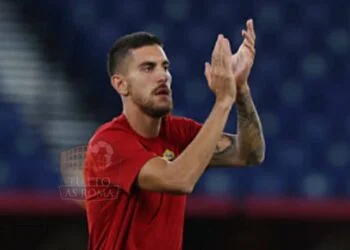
{"type": "Point", "coordinates": [120, 215]}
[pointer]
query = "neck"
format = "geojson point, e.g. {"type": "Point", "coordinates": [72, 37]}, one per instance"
{"type": "Point", "coordinates": [142, 123]}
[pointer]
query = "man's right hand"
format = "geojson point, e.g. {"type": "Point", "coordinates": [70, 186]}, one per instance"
{"type": "Point", "coordinates": [219, 73]}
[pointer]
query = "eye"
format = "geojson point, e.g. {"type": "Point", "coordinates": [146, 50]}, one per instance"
{"type": "Point", "coordinates": [147, 68]}
{"type": "Point", "coordinates": [167, 67]}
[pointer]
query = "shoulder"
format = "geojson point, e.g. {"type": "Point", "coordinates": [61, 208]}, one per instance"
{"type": "Point", "coordinates": [182, 129]}
{"type": "Point", "coordinates": [112, 131]}
{"type": "Point", "coordinates": [180, 121]}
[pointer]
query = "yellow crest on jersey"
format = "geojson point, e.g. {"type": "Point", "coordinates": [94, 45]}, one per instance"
{"type": "Point", "coordinates": [169, 155]}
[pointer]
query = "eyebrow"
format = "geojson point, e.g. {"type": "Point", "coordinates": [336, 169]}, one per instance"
{"type": "Point", "coordinates": [152, 63]}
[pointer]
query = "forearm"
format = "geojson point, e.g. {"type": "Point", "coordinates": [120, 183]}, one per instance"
{"type": "Point", "coordinates": [250, 138]}
{"type": "Point", "coordinates": [193, 161]}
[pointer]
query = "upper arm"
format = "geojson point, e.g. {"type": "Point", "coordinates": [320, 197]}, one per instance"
{"type": "Point", "coordinates": [227, 152]}
{"type": "Point", "coordinates": [154, 176]}
{"type": "Point", "coordinates": [124, 162]}
{"type": "Point", "coordinates": [115, 158]}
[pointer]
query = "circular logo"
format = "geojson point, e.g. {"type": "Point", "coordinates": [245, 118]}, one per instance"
{"type": "Point", "coordinates": [100, 154]}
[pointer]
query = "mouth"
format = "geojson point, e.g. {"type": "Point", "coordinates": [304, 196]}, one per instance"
{"type": "Point", "coordinates": [162, 91]}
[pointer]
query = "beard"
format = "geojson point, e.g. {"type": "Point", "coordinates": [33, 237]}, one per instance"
{"type": "Point", "coordinates": [152, 109]}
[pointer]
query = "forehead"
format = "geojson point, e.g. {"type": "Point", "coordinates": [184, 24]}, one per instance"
{"type": "Point", "coordinates": [154, 53]}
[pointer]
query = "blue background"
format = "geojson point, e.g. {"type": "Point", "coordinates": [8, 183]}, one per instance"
{"type": "Point", "coordinates": [299, 84]}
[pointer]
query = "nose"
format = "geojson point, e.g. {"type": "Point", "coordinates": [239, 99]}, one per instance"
{"type": "Point", "coordinates": [163, 77]}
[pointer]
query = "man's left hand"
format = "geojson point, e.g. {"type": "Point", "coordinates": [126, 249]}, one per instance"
{"type": "Point", "coordinates": [243, 59]}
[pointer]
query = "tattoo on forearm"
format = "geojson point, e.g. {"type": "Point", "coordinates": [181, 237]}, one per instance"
{"type": "Point", "coordinates": [225, 149]}
{"type": "Point", "coordinates": [250, 138]}
{"type": "Point", "coordinates": [222, 150]}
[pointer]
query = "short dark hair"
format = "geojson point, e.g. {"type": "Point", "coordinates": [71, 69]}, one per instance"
{"type": "Point", "coordinates": [123, 45]}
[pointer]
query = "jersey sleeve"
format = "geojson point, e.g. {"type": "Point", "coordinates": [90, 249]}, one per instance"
{"type": "Point", "coordinates": [116, 158]}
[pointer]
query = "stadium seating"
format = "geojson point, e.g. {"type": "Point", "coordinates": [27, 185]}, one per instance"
{"type": "Point", "coordinates": [24, 161]}
{"type": "Point", "coordinates": [298, 81]}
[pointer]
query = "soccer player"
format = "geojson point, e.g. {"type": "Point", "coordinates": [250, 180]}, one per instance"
{"type": "Point", "coordinates": [145, 161]}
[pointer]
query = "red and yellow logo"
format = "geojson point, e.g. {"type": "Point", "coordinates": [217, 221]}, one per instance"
{"type": "Point", "coordinates": [169, 155]}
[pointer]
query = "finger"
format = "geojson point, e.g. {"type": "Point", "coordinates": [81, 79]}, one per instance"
{"type": "Point", "coordinates": [247, 36]}
{"type": "Point", "coordinates": [228, 50]}
{"type": "Point", "coordinates": [250, 28]}
{"type": "Point", "coordinates": [223, 52]}
{"type": "Point", "coordinates": [227, 53]}
{"type": "Point", "coordinates": [249, 46]}
{"type": "Point", "coordinates": [217, 43]}
{"type": "Point", "coordinates": [253, 30]}
{"type": "Point", "coordinates": [215, 53]}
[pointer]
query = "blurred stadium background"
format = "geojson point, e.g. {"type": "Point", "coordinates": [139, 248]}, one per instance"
{"type": "Point", "coordinates": [54, 92]}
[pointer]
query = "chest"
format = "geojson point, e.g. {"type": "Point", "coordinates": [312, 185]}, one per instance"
{"type": "Point", "coordinates": [162, 147]}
